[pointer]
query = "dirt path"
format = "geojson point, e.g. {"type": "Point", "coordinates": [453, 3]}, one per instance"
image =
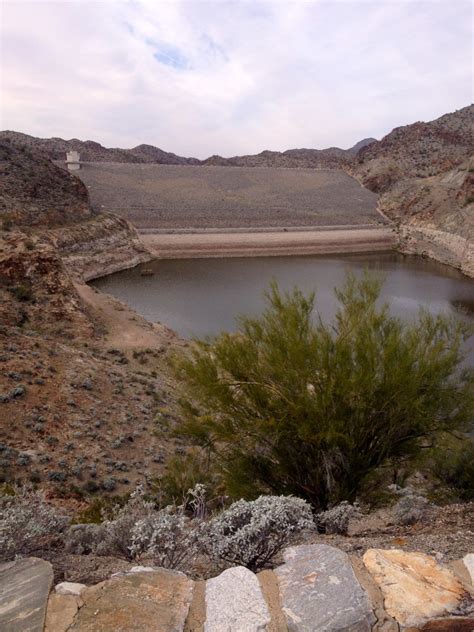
{"type": "Point", "coordinates": [251, 244]}
{"type": "Point", "coordinates": [124, 328]}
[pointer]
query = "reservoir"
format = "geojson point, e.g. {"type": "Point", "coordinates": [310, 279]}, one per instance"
{"type": "Point", "coordinates": [202, 297]}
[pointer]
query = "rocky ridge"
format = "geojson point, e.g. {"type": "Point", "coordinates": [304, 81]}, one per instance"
{"type": "Point", "coordinates": [317, 588]}
{"type": "Point", "coordinates": [424, 173]}
{"type": "Point", "coordinates": [91, 151]}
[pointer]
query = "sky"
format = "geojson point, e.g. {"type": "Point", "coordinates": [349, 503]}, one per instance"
{"type": "Point", "coordinates": [231, 77]}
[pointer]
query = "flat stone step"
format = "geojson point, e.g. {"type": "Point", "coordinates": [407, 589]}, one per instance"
{"type": "Point", "coordinates": [319, 591]}
{"type": "Point", "coordinates": [235, 603]}
{"type": "Point", "coordinates": [156, 600]}
{"type": "Point", "coordinates": [24, 590]}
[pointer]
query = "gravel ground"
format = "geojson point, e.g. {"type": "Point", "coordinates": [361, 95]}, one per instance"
{"type": "Point", "coordinates": [172, 197]}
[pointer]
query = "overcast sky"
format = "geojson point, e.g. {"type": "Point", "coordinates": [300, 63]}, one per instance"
{"type": "Point", "coordinates": [231, 77]}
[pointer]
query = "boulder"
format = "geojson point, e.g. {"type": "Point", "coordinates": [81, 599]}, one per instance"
{"type": "Point", "coordinates": [138, 601]}
{"type": "Point", "coordinates": [415, 587]}
{"type": "Point", "coordinates": [234, 603]}
{"type": "Point", "coordinates": [24, 590]}
{"type": "Point", "coordinates": [319, 591]}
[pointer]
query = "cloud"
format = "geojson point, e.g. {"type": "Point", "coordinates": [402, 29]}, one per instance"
{"type": "Point", "coordinates": [231, 77]}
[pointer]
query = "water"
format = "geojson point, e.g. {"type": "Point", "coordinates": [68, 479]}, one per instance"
{"type": "Point", "coordinates": [201, 297]}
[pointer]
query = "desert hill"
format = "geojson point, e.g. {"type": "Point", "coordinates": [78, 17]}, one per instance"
{"type": "Point", "coordinates": [35, 192]}
{"type": "Point", "coordinates": [90, 151]}
{"type": "Point", "coordinates": [418, 150]}
{"type": "Point", "coordinates": [80, 373]}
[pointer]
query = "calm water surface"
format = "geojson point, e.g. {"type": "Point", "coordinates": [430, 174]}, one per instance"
{"type": "Point", "coordinates": [200, 297]}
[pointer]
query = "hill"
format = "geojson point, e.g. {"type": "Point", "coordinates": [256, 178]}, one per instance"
{"type": "Point", "coordinates": [418, 150]}
{"type": "Point", "coordinates": [77, 406]}
{"type": "Point", "coordinates": [90, 151]}
{"type": "Point", "coordinates": [35, 192]}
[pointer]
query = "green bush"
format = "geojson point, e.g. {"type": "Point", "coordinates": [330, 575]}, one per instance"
{"type": "Point", "coordinates": [292, 405]}
{"type": "Point", "coordinates": [183, 472]}
{"type": "Point", "coordinates": [453, 465]}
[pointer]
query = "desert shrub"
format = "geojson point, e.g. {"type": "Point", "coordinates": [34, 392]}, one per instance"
{"type": "Point", "coordinates": [336, 519]}
{"type": "Point", "coordinates": [166, 537]}
{"type": "Point", "coordinates": [27, 523]}
{"type": "Point", "coordinates": [184, 472]}
{"type": "Point", "coordinates": [118, 528]}
{"type": "Point", "coordinates": [83, 539]}
{"type": "Point", "coordinates": [411, 508]}
{"type": "Point", "coordinates": [292, 405]}
{"type": "Point", "coordinates": [453, 465]}
{"type": "Point", "coordinates": [251, 533]}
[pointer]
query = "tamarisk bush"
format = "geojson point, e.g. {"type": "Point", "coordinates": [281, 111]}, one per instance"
{"type": "Point", "coordinates": [293, 405]}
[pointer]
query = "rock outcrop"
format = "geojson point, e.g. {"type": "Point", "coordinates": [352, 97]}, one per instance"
{"type": "Point", "coordinates": [51, 206]}
{"type": "Point", "coordinates": [99, 246]}
{"type": "Point", "coordinates": [419, 150]}
{"type": "Point", "coordinates": [425, 175]}
{"type": "Point", "coordinates": [435, 216]}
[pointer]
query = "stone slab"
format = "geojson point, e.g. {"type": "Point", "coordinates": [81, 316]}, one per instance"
{"type": "Point", "coordinates": [319, 591]}
{"type": "Point", "coordinates": [61, 612]}
{"type": "Point", "coordinates": [24, 590]}
{"type": "Point", "coordinates": [469, 564]}
{"type": "Point", "coordinates": [147, 601]}
{"type": "Point", "coordinates": [235, 603]}
{"type": "Point", "coordinates": [415, 587]}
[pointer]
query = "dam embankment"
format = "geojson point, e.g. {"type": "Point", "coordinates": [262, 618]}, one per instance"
{"type": "Point", "coordinates": [263, 243]}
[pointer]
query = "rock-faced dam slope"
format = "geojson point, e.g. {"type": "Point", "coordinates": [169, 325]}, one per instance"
{"type": "Point", "coordinates": [172, 197]}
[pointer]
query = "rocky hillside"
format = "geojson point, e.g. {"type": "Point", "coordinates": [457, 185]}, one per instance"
{"type": "Point", "coordinates": [52, 205]}
{"type": "Point", "coordinates": [79, 372]}
{"type": "Point", "coordinates": [435, 216]}
{"type": "Point", "coordinates": [419, 150]}
{"type": "Point", "coordinates": [90, 151]}
{"type": "Point", "coordinates": [331, 158]}
{"type": "Point", "coordinates": [424, 173]}
{"type": "Point", "coordinates": [35, 192]}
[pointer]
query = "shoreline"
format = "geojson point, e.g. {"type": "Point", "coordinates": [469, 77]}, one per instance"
{"type": "Point", "coordinates": [282, 243]}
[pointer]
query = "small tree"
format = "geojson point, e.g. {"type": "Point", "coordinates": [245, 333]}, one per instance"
{"type": "Point", "coordinates": [292, 405]}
